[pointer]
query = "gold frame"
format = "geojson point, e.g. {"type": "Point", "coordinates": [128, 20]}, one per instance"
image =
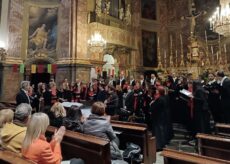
{"type": "Point", "coordinates": [25, 32]}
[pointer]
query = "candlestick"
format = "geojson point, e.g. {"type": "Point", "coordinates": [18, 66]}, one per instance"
{"type": "Point", "coordinates": [206, 39]}
{"type": "Point", "coordinates": [158, 41]}
{"type": "Point", "coordinates": [212, 49]}
{"type": "Point", "coordinates": [165, 58]}
{"type": "Point", "coordinates": [176, 58]}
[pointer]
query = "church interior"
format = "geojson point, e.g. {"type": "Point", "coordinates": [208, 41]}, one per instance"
{"type": "Point", "coordinates": [123, 81]}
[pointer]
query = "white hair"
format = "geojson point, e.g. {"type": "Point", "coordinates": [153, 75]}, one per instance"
{"type": "Point", "coordinates": [24, 84]}
{"type": "Point", "coordinates": [37, 126]}
{"type": "Point", "coordinates": [22, 112]}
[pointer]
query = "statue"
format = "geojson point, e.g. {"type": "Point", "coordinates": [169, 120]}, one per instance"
{"type": "Point", "coordinates": [121, 13]}
{"type": "Point", "coordinates": [39, 38]}
{"type": "Point", "coordinates": [192, 17]}
{"type": "Point", "coordinates": [98, 8]}
{"type": "Point", "coordinates": [107, 7]}
{"type": "Point", "coordinates": [128, 15]}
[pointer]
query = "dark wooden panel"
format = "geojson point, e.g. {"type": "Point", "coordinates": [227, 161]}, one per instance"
{"type": "Point", "coordinates": [176, 157]}
{"type": "Point", "coordinates": [89, 148]}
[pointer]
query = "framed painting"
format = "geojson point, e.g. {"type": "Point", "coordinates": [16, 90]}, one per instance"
{"type": "Point", "coordinates": [42, 29]}
{"type": "Point", "coordinates": [149, 48]}
{"type": "Point", "coordinates": [149, 9]}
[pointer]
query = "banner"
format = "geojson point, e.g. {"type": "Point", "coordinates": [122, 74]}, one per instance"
{"type": "Point", "coordinates": [22, 68]}
{"type": "Point", "coordinates": [54, 68]}
{"type": "Point", "coordinates": [49, 68]}
{"type": "Point", "coordinates": [33, 68]}
{"type": "Point", "coordinates": [15, 68]}
{"type": "Point", "coordinates": [40, 68]}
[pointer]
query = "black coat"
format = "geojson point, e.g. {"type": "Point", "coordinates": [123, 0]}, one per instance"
{"type": "Point", "coordinates": [225, 101]}
{"type": "Point", "coordinates": [102, 95]}
{"type": "Point", "coordinates": [21, 97]}
{"type": "Point", "coordinates": [158, 115]}
{"type": "Point", "coordinates": [201, 111]}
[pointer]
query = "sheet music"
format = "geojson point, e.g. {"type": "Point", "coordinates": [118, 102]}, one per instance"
{"type": "Point", "coordinates": [69, 104]}
{"type": "Point", "coordinates": [186, 93]}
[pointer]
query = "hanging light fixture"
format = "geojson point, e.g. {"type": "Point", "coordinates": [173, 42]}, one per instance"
{"type": "Point", "coordinates": [220, 20]}
{"type": "Point", "coordinates": [96, 41]}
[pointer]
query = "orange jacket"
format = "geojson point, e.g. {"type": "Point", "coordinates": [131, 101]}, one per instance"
{"type": "Point", "coordinates": [42, 152]}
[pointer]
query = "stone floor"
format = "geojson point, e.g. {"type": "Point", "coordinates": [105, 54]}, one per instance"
{"type": "Point", "coordinates": [179, 142]}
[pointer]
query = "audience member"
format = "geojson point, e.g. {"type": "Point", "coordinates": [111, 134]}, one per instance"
{"type": "Point", "coordinates": [56, 114]}
{"type": "Point", "coordinates": [35, 147]}
{"type": "Point", "coordinates": [12, 134]}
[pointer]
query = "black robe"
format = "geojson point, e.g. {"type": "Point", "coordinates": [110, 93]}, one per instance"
{"type": "Point", "coordinates": [158, 113]}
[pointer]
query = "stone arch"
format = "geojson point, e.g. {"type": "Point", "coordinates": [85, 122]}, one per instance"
{"type": "Point", "coordinates": [40, 61]}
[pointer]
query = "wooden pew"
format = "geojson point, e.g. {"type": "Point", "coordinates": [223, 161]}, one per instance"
{"type": "Point", "coordinates": [7, 105]}
{"type": "Point", "coordinates": [223, 129]}
{"type": "Point", "coordinates": [89, 148]}
{"type": "Point", "coordinates": [7, 157]}
{"type": "Point", "coordinates": [138, 134]}
{"type": "Point", "coordinates": [176, 157]}
{"type": "Point", "coordinates": [213, 146]}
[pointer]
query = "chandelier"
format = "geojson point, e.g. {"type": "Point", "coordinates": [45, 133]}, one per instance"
{"type": "Point", "coordinates": [96, 42]}
{"type": "Point", "coordinates": [220, 20]}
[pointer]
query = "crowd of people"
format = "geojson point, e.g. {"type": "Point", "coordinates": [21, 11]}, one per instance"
{"type": "Point", "coordinates": [156, 101]}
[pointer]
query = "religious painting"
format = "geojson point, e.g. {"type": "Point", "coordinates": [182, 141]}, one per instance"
{"type": "Point", "coordinates": [149, 48]}
{"type": "Point", "coordinates": [149, 9]}
{"type": "Point", "coordinates": [42, 37]}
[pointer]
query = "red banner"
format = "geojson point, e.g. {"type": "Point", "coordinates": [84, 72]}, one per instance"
{"type": "Point", "coordinates": [40, 68]}
{"type": "Point", "coordinates": [54, 68]}
{"type": "Point", "coordinates": [15, 68]}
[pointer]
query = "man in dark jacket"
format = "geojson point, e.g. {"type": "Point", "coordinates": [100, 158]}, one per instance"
{"type": "Point", "coordinates": [224, 96]}
{"type": "Point", "coordinates": [22, 96]}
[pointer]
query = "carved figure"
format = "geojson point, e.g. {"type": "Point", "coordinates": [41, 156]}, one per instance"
{"type": "Point", "coordinates": [39, 37]}
{"type": "Point", "coordinates": [98, 8]}
{"type": "Point", "coordinates": [128, 15]}
{"type": "Point", "coordinates": [121, 13]}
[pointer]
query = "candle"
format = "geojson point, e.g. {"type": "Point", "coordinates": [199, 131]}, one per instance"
{"type": "Point", "coordinates": [225, 49]}
{"type": "Point", "coordinates": [212, 49]}
{"type": "Point", "coordinates": [181, 42]}
{"type": "Point", "coordinates": [206, 39]}
{"type": "Point", "coordinates": [171, 41]}
{"type": "Point", "coordinates": [217, 55]}
{"type": "Point", "coordinates": [176, 57]}
{"type": "Point", "coordinates": [158, 41]}
{"type": "Point", "coordinates": [165, 54]}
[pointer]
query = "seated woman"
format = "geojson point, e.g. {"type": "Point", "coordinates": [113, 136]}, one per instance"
{"type": "Point", "coordinates": [13, 133]}
{"type": "Point", "coordinates": [56, 115]}
{"type": "Point", "coordinates": [98, 124]}
{"type": "Point", "coordinates": [35, 147]}
{"type": "Point", "coordinates": [74, 119]}
{"type": "Point", "coordinates": [6, 116]}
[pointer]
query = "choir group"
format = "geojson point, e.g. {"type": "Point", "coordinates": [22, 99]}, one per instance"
{"type": "Point", "coordinates": [157, 101]}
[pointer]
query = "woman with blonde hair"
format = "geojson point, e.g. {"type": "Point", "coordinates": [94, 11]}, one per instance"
{"type": "Point", "coordinates": [56, 115]}
{"type": "Point", "coordinates": [35, 147]}
{"type": "Point", "coordinates": [6, 116]}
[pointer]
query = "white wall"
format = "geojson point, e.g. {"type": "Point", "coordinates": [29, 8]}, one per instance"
{"type": "Point", "coordinates": [4, 22]}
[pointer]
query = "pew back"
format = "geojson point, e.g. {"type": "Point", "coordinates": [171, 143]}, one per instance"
{"type": "Point", "coordinates": [223, 129]}
{"type": "Point", "coordinates": [176, 157]}
{"type": "Point", "coordinates": [89, 148]}
{"type": "Point", "coordinates": [7, 157]}
{"type": "Point", "coordinates": [214, 146]}
{"type": "Point", "coordinates": [138, 134]}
